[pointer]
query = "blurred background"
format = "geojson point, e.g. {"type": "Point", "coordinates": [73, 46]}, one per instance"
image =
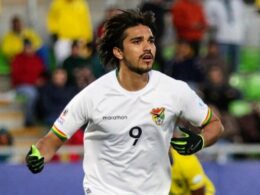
{"type": "Point", "coordinates": [48, 53]}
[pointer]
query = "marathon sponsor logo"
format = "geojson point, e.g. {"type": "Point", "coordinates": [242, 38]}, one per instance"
{"type": "Point", "coordinates": [114, 117]}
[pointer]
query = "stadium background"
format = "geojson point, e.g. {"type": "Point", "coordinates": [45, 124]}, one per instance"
{"type": "Point", "coordinates": [230, 177]}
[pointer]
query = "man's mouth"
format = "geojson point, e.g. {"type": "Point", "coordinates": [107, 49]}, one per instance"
{"type": "Point", "coordinates": [147, 57]}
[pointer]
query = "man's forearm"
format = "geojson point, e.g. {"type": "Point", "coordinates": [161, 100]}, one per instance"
{"type": "Point", "coordinates": [48, 146]}
{"type": "Point", "coordinates": [212, 131]}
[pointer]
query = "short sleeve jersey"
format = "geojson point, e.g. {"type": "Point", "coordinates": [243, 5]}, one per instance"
{"type": "Point", "coordinates": [127, 138]}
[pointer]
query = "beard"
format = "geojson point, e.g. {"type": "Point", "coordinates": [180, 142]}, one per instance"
{"type": "Point", "coordinates": [136, 69]}
{"type": "Point", "coordinates": [139, 70]}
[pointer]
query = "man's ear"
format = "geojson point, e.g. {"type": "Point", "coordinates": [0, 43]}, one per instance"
{"type": "Point", "coordinates": [118, 53]}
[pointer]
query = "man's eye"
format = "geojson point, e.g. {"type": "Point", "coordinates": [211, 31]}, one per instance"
{"type": "Point", "coordinates": [136, 41]}
{"type": "Point", "coordinates": [152, 40]}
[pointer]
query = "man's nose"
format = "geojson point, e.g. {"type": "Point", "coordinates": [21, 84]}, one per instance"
{"type": "Point", "coordinates": [148, 46]}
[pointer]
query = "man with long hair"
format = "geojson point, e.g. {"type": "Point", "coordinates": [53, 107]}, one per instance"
{"type": "Point", "coordinates": [130, 112]}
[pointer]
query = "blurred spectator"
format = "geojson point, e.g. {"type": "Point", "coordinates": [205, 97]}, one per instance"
{"type": "Point", "coordinates": [249, 124]}
{"type": "Point", "coordinates": [185, 66]}
{"type": "Point", "coordinates": [214, 58]}
{"type": "Point", "coordinates": [227, 25]}
{"type": "Point", "coordinates": [217, 90]}
{"type": "Point", "coordinates": [84, 76]}
{"type": "Point", "coordinates": [232, 132]}
{"type": "Point", "coordinates": [54, 95]}
{"type": "Point", "coordinates": [218, 93]}
{"type": "Point", "coordinates": [76, 60]}
{"type": "Point", "coordinates": [6, 139]}
{"type": "Point", "coordinates": [26, 75]}
{"type": "Point", "coordinates": [68, 20]}
{"type": "Point", "coordinates": [109, 12]}
{"type": "Point", "coordinates": [12, 42]}
{"type": "Point", "coordinates": [93, 59]}
{"type": "Point", "coordinates": [159, 10]}
{"type": "Point", "coordinates": [189, 22]}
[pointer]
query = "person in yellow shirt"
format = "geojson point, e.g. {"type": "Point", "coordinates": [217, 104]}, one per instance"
{"type": "Point", "coordinates": [257, 6]}
{"type": "Point", "coordinates": [188, 176]}
{"type": "Point", "coordinates": [12, 42]}
{"type": "Point", "coordinates": [257, 3]}
{"type": "Point", "coordinates": [68, 20]}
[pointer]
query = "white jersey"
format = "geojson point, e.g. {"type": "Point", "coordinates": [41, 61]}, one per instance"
{"type": "Point", "coordinates": [127, 138]}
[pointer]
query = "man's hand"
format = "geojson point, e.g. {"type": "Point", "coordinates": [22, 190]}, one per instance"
{"type": "Point", "coordinates": [34, 160]}
{"type": "Point", "coordinates": [189, 143]}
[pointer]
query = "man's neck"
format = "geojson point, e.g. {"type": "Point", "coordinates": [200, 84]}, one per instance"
{"type": "Point", "coordinates": [132, 81]}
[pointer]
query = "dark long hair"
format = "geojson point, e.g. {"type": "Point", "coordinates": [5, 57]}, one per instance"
{"type": "Point", "coordinates": [114, 35]}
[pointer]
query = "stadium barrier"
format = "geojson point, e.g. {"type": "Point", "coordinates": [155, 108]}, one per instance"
{"type": "Point", "coordinates": [230, 177]}
{"type": "Point", "coordinates": [220, 153]}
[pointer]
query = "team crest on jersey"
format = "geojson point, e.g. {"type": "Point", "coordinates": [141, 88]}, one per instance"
{"type": "Point", "coordinates": [158, 115]}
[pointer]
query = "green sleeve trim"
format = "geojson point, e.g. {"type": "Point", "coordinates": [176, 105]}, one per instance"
{"type": "Point", "coordinates": [59, 133]}
{"type": "Point", "coordinates": [208, 117]}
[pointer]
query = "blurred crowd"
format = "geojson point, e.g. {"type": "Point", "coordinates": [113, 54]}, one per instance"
{"type": "Point", "coordinates": [206, 52]}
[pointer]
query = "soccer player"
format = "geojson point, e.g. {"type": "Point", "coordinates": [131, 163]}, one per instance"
{"type": "Point", "coordinates": [130, 112]}
{"type": "Point", "coordinates": [188, 176]}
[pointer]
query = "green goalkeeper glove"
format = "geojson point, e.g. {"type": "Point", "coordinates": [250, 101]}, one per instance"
{"type": "Point", "coordinates": [189, 143]}
{"type": "Point", "coordinates": [34, 160]}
